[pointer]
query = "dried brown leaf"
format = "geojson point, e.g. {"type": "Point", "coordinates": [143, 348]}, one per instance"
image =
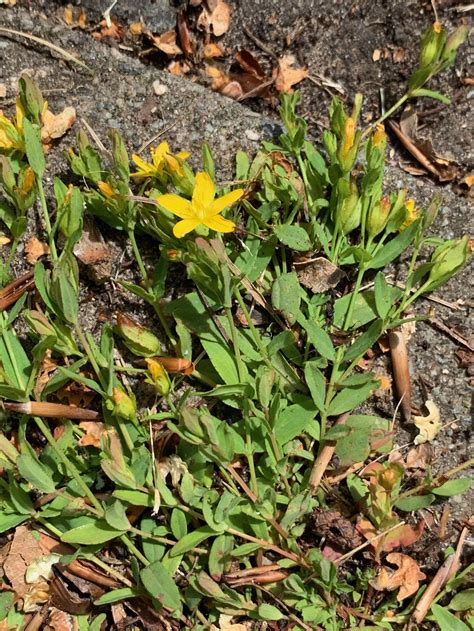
{"type": "Point", "coordinates": [178, 68]}
{"type": "Point", "coordinates": [23, 551]}
{"type": "Point", "coordinates": [319, 275]}
{"type": "Point", "coordinates": [406, 579]}
{"type": "Point", "coordinates": [166, 42]}
{"type": "Point", "coordinates": [185, 38]}
{"type": "Point", "coordinates": [93, 431]}
{"type": "Point", "coordinates": [34, 248]}
{"type": "Point", "coordinates": [93, 251]}
{"type": "Point", "coordinates": [287, 75]}
{"type": "Point", "coordinates": [213, 50]}
{"type": "Point", "coordinates": [215, 17]}
{"type": "Point", "coordinates": [60, 620]}
{"type": "Point", "coordinates": [429, 425]}
{"type": "Point", "coordinates": [114, 31]}
{"type": "Point", "coordinates": [56, 125]}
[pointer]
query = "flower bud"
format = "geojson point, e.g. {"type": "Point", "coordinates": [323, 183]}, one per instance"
{"type": "Point", "coordinates": [7, 177]}
{"type": "Point", "coordinates": [158, 376]}
{"type": "Point", "coordinates": [350, 210]}
{"type": "Point", "coordinates": [447, 259]}
{"type": "Point", "coordinates": [137, 338]}
{"type": "Point", "coordinates": [453, 42]}
{"type": "Point", "coordinates": [124, 406]}
{"type": "Point", "coordinates": [411, 214]}
{"type": "Point", "coordinates": [377, 217]}
{"type": "Point", "coordinates": [106, 189]}
{"type": "Point", "coordinates": [431, 44]}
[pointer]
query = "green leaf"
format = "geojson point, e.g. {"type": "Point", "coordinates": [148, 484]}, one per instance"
{"type": "Point", "coordinates": [293, 420]}
{"type": "Point", "coordinates": [191, 540]}
{"type": "Point", "coordinates": [432, 94]}
{"type": "Point", "coordinates": [366, 434]}
{"type": "Point", "coordinates": [318, 338]}
{"type": "Point", "coordinates": [463, 600]}
{"type": "Point", "coordinates": [364, 342]}
{"type": "Point", "coordinates": [116, 595]}
{"type": "Point", "coordinates": [383, 295]}
{"type": "Point", "coordinates": [208, 161]}
{"type": "Point", "coordinates": [36, 473]}
{"type": "Point", "coordinates": [269, 612]}
{"type": "Point", "coordinates": [161, 586]}
{"type": "Point", "coordinates": [349, 398]}
{"type": "Point", "coordinates": [337, 432]}
{"type": "Point", "coordinates": [220, 555]}
{"type": "Point", "coordinates": [178, 523]}
{"type": "Point", "coordinates": [116, 517]}
{"type": "Point", "coordinates": [446, 620]}
{"type": "Point", "coordinates": [135, 498]}
{"type": "Point", "coordinates": [295, 237]}
{"type": "Point", "coordinates": [10, 520]}
{"type": "Point", "coordinates": [34, 147]}
{"type": "Point", "coordinates": [394, 248]}
{"type": "Point", "coordinates": [286, 296]}
{"type": "Point", "coordinates": [453, 487]}
{"type": "Point", "coordinates": [316, 384]}
{"type": "Point", "coordinates": [92, 533]}
{"type": "Point", "coordinates": [414, 502]}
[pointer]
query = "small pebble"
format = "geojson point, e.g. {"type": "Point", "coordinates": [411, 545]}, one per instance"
{"type": "Point", "coordinates": [159, 88]}
{"type": "Point", "coordinates": [252, 134]}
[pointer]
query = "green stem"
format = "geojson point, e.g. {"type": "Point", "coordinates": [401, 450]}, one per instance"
{"type": "Point", "coordinates": [70, 467]}
{"type": "Point", "coordinates": [90, 355]}
{"type": "Point", "coordinates": [11, 254]}
{"type": "Point", "coordinates": [134, 550]}
{"type": "Point", "coordinates": [47, 222]}
{"type": "Point", "coordinates": [388, 113]}
{"type": "Point", "coordinates": [138, 256]}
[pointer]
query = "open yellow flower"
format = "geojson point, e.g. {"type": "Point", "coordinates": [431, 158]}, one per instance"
{"type": "Point", "coordinates": [202, 210]}
{"type": "Point", "coordinates": [161, 158]}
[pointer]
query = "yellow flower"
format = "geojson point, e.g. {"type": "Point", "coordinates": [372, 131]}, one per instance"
{"type": "Point", "coordinates": [349, 135]}
{"type": "Point", "coordinates": [161, 158]}
{"type": "Point", "coordinates": [106, 189]}
{"type": "Point", "coordinates": [411, 216]}
{"type": "Point", "coordinates": [11, 133]}
{"type": "Point", "coordinates": [203, 209]}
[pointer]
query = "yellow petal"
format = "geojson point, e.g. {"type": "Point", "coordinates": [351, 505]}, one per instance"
{"type": "Point", "coordinates": [145, 169]}
{"type": "Point", "coordinates": [185, 226]}
{"type": "Point", "coordinates": [177, 205]}
{"type": "Point", "coordinates": [204, 190]}
{"type": "Point", "coordinates": [158, 154]}
{"type": "Point", "coordinates": [219, 224]}
{"type": "Point", "coordinates": [183, 155]}
{"type": "Point", "coordinates": [226, 200]}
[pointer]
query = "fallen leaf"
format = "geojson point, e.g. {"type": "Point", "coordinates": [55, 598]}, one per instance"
{"type": "Point", "coordinates": [93, 252]}
{"type": "Point", "coordinates": [67, 15]}
{"type": "Point", "coordinates": [76, 394]}
{"type": "Point", "coordinates": [24, 550]}
{"type": "Point", "coordinates": [421, 148]}
{"type": "Point", "coordinates": [213, 50]}
{"type": "Point", "coordinates": [215, 17]}
{"type": "Point", "coordinates": [4, 240]}
{"type": "Point", "coordinates": [287, 75]}
{"type": "Point", "coordinates": [3, 90]}
{"type": "Point", "coordinates": [178, 68]}
{"type": "Point", "coordinates": [166, 42]}
{"type": "Point", "coordinates": [319, 275]}
{"type": "Point", "coordinates": [403, 536]}
{"type": "Point", "coordinates": [419, 457]}
{"type": "Point", "coordinates": [56, 125]}
{"type": "Point", "coordinates": [226, 624]}
{"type": "Point", "coordinates": [114, 31]}
{"type": "Point", "coordinates": [35, 248]}
{"type": "Point", "coordinates": [185, 38]}
{"type": "Point", "coordinates": [429, 426]}
{"type": "Point", "coordinates": [60, 620]}
{"type": "Point", "coordinates": [407, 578]}
{"type": "Point", "coordinates": [93, 432]}
{"type": "Point", "coordinates": [399, 55]}
{"type": "Point", "coordinates": [377, 54]}
{"type": "Point", "coordinates": [48, 366]}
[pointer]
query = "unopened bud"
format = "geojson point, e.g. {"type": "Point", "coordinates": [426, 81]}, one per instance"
{"type": "Point", "coordinates": [350, 210]}
{"type": "Point", "coordinates": [431, 44]}
{"type": "Point", "coordinates": [448, 259]}
{"type": "Point", "coordinates": [377, 217]}
{"type": "Point", "coordinates": [124, 406]}
{"type": "Point", "coordinates": [158, 376]}
{"type": "Point", "coordinates": [411, 214]}
{"type": "Point", "coordinates": [454, 41]}
{"type": "Point", "coordinates": [137, 338]}
{"type": "Point", "coordinates": [106, 189]}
